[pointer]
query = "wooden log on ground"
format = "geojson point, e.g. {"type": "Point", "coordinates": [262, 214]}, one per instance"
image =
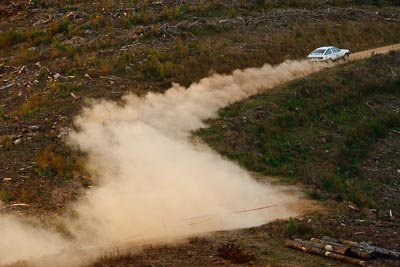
{"type": "Point", "coordinates": [359, 252]}
{"type": "Point", "coordinates": [307, 246]}
{"type": "Point", "coordinates": [333, 247]}
{"type": "Point", "coordinates": [375, 249]}
{"type": "Point", "coordinates": [345, 258]}
{"type": "Point", "coordinates": [340, 241]}
{"type": "Point", "coordinates": [362, 253]}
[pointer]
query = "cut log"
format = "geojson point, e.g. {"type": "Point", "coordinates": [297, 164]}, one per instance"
{"type": "Point", "coordinates": [333, 247]}
{"type": "Point", "coordinates": [362, 253]}
{"type": "Point", "coordinates": [375, 250]}
{"type": "Point", "coordinates": [340, 241]}
{"type": "Point", "coordinates": [307, 246]}
{"type": "Point", "coordinates": [385, 252]}
{"type": "Point", "coordinates": [309, 243]}
{"type": "Point", "coordinates": [345, 258]}
{"type": "Point", "coordinates": [348, 250]}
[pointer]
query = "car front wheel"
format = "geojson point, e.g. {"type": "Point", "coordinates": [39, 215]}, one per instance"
{"type": "Point", "coordinates": [346, 57]}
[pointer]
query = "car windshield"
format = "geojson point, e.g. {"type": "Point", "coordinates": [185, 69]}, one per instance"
{"type": "Point", "coordinates": [318, 51]}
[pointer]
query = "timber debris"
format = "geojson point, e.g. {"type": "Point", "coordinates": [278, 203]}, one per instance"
{"type": "Point", "coordinates": [356, 253]}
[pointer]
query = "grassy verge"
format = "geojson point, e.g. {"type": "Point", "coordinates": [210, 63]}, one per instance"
{"type": "Point", "coordinates": [317, 130]}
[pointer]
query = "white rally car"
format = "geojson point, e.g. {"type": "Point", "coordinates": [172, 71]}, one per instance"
{"type": "Point", "coordinates": [329, 53]}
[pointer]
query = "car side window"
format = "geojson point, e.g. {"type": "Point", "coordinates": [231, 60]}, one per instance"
{"type": "Point", "coordinates": [335, 50]}
{"type": "Point", "coordinates": [328, 52]}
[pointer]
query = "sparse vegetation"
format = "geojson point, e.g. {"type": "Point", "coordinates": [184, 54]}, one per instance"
{"type": "Point", "coordinates": [6, 195]}
{"type": "Point", "coordinates": [114, 258]}
{"type": "Point", "coordinates": [54, 163]}
{"type": "Point", "coordinates": [235, 253]}
{"type": "Point", "coordinates": [2, 113]}
{"type": "Point", "coordinates": [5, 142]}
{"type": "Point", "coordinates": [296, 228]}
{"type": "Point", "coordinates": [34, 103]}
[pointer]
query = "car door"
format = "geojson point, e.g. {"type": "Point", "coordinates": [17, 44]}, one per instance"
{"type": "Point", "coordinates": [328, 54]}
{"type": "Point", "coordinates": [335, 53]}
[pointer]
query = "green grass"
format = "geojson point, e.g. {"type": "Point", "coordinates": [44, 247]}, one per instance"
{"type": "Point", "coordinates": [5, 195]}
{"type": "Point", "coordinates": [318, 130]}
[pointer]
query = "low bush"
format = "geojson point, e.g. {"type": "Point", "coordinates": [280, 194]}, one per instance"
{"type": "Point", "coordinates": [296, 228]}
{"type": "Point", "coordinates": [6, 195]}
{"type": "Point", "coordinates": [33, 104]}
{"type": "Point", "coordinates": [234, 253]}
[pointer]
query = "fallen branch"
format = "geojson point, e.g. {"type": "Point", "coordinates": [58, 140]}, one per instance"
{"type": "Point", "coordinates": [14, 205]}
{"type": "Point", "coordinates": [6, 86]}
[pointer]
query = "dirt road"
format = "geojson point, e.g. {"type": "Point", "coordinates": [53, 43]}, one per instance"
{"type": "Point", "coordinates": [374, 51]}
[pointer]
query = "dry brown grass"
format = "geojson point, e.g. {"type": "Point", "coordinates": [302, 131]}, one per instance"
{"type": "Point", "coordinates": [49, 162]}
{"type": "Point", "coordinates": [5, 142]}
{"type": "Point", "coordinates": [33, 104]}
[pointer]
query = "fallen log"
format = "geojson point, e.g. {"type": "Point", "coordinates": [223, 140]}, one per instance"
{"type": "Point", "coordinates": [345, 258]}
{"type": "Point", "coordinates": [376, 250]}
{"type": "Point", "coordinates": [308, 247]}
{"type": "Point", "coordinates": [333, 247]}
{"type": "Point", "coordinates": [340, 241]}
{"type": "Point", "coordinates": [362, 253]}
{"type": "Point", "coordinates": [348, 250]}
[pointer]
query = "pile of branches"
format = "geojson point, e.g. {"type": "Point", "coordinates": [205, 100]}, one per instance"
{"type": "Point", "coordinates": [9, 8]}
{"type": "Point", "coordinates": [344, 250]}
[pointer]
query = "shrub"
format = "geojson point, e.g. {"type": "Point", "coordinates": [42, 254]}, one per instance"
{"type": "Point", "coordinates": [234, 253]}
{"type": "Point", "coordinates": [12, 38]}
{"type": "Point", "coordinates": [50, 164]}
{"type": "Point", "coordinates": [167, 13]}
{"type": "Point", "coordinates": [299, 229]}
{"type": "Point", "coordinates": [33, 104]}
{"type": "Point", "coordinates": [2, 113]}
{"type": "Point", "coordinates": [60, 27]}
{"type": "Point", "coordinates": [5, 195]}
{"type": "Point", "coordinates": [5, 141]}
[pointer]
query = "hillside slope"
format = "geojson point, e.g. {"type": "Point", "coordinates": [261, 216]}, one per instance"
{"type": "Point", "coordinates": [54, 56]}
{"type": "Point", "coordinates": [335, 134]}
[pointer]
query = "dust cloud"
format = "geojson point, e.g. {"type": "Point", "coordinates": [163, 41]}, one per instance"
{"type": "Point", "coordinates": [154, 182]}
{"type": "Point", "coordinates": [24, 241]}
